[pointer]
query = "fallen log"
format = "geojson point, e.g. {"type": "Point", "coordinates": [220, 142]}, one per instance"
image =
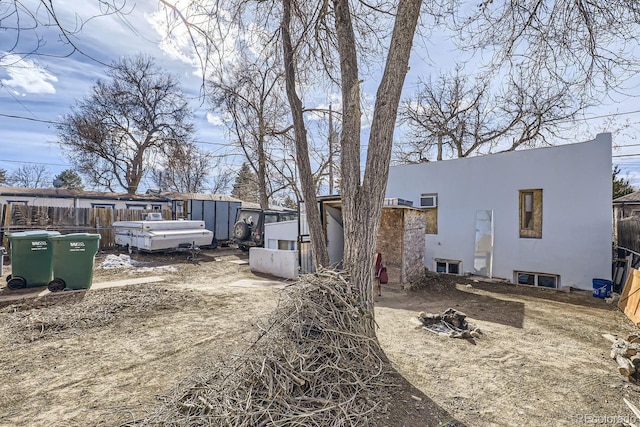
{"type": "Point", "coordinates": [625, 367]}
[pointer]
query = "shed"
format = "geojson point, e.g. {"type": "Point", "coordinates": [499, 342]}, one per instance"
{"type": "Point", "coordinates": [401, 237]}
{"type": "Point", "coordinates": [401, 241]}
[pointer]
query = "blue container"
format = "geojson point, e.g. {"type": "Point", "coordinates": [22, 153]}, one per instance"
{"type": "Point", "coordinates": [602, 288]}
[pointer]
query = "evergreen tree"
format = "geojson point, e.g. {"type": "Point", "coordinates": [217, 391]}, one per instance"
{"type": "Point", "coordinates": [246, 186]}
{"type": "Point", "coordinates": [621, 186]}
{"type": "Point", "coordinates": [68, 179]}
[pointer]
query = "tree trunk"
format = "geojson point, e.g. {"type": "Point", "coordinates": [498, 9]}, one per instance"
{"type": "Point", "coordinates": [362, 204]}
{"type": "Point", "coordinates": [318, 242]}
{"type": "Point", "coordinates": [262, 169]}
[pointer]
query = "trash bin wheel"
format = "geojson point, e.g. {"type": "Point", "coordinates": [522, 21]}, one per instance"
{"type": "Point", "coordinates": [17, 283]}
{"type": "Point", "coordinates": [8, 277]}
{"type": "Point", "coordinates": [56, 285]}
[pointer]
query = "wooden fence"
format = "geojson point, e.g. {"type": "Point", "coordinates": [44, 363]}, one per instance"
{"type": "Point", "coordinates": [68, 220]}
{"type": "Point", "coordinates": [629, 233]}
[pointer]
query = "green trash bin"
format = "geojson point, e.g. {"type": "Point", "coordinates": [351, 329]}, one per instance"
{"type": "Point", "coordinates": [73, 257]}
{"type": "Point", "coordinates": [31, 258]}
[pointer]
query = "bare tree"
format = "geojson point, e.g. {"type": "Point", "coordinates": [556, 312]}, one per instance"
{"type": "Point", "coordinates": [31, 175]}
{"type": "Point", "coordinates": [220, 183]}
{"type": "Point", "coordinates": [25, 24]}
{"type": "Point", "coordinates": [460, 116]}
{"type": "Point", "coordinates": [250, 96]}
{"type": "Point", "coordinates": [113, 135]}
{"type": "Point", "coordinates": [589, 45]}
{"type": "Point", "coordinates": [184, 169]}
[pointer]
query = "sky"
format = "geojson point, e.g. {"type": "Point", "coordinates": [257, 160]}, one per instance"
{"type": "Point", "coordinates": [37, 90]}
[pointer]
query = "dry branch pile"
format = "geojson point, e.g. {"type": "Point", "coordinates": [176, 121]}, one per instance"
{"type": "Point", "coordinates": [313, 364]}
{"type": "Point", "coordinates": [627, 354]}
{"type": "Point", "coordinates": [451, 323]}
{"type": "Point", "coordinates": [67, 312]}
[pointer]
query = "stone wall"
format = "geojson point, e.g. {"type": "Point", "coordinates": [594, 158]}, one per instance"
{"type": "Point", "coordinates": [401, 241]}
{"type": "Point", "coordinates": [389, 242]}
{"type": "Point", "coordinates": [414, 243]}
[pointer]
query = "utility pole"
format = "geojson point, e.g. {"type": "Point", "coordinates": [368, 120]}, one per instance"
{"type": "Point", "coordinates": [330, 150]}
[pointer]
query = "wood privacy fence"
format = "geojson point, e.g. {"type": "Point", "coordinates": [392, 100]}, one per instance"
{"type": "Point", "coordinates": [66, 220]}
{"type": "Point", "coordinates": [629, 233]}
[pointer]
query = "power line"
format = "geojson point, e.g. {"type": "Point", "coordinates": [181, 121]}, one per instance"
{"type": "Point", "coordinates": [604, 116]}
{"type": "Point", "coordinates": [11, 116]}
{"type": "Point", "coordinates": [34, 163]}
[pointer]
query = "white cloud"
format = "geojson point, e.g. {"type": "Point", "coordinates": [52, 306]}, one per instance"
{"type": "Point", "coordinates": [26, 75]}
{"type": "Point", "coordinates": [215, 119]}
{"type": "Point", "coordinates": [187, 44]}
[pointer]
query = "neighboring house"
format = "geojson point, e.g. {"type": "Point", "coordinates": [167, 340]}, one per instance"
{"type": "Point", "coordinates": [539, 217]}
{"type": "Point", "coordinates": [627, 205]}
{"type": "Point", "coordinates": [64, 198]}
{"type": "Point", "coordinates": [79, 210]}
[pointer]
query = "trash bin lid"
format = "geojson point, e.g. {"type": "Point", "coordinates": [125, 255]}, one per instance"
{"type": "Point", "coordinates": [76, 236]}
{"type": "Point", "coordinates": [31, 234]}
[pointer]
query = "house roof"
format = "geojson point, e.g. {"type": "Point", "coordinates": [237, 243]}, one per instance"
{"type": "Point", "coordinates": [195, 196]}
{"type": "Point", "coordinates": [64, 193]}
{"type": "Point", "coordinates": [629, 198]}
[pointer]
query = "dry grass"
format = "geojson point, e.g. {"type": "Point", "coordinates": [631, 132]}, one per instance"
{"type": "Point", "coordinates": [62, 314]}
{"type": "Point", "coordinates": [312, 364]}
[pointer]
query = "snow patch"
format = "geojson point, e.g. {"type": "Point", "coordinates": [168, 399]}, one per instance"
{"type": "Point", "coordinates": [125, 262]}
{"type": "Point", "coordinates": [118, 261]}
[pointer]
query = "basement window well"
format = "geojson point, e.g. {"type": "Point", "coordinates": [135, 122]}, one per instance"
{"type": "Point", "coordinates": [537, 279]}
{"type": "Point", "coordinates": [448, 266]}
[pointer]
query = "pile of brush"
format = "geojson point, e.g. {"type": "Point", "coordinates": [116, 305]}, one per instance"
{"type": "Point", "coordinates": [314, 363]}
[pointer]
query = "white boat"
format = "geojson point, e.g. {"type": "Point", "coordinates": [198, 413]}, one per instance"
{"type": "Point", "coordinates": [158, 235]}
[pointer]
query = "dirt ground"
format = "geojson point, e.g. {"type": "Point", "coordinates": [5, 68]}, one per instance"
{"type": "Point", "coordinates": [104, 357]}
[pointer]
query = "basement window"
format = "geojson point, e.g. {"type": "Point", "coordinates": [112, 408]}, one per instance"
{"type": "Point", "coordinates": [531, 214]}
{"type": "Point", "coordinates": [537, 279]}
{"type": "Point", "coordinates": [448, 266]}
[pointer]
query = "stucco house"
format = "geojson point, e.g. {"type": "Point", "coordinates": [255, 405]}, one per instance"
{"type": "Point", "coordinates": [540, 217]}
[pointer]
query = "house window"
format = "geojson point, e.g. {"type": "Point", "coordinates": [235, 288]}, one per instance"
{"type": "Point", "coordinates": [102, 205]}
{"type": "Point", "coordinates": [448, 266]}
{"type": "Point", "coordinates": [429, 202]}
{"type": "Point", "coordinates": [135, 207]}
{"type": "Point", "coordinates": [537, 279]}
{"type": "Point", "coordinates": [531, 213]}
{"type": "Point", "coordinates": [17, 202]}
